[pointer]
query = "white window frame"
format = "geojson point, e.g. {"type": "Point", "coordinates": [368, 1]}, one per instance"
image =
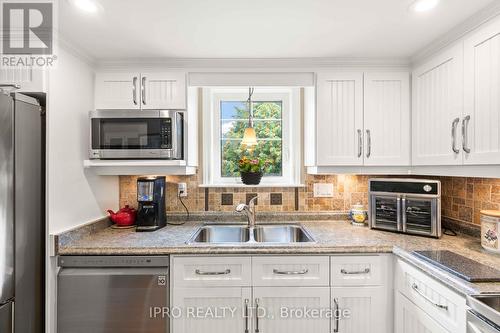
{"type": "Point", "coordinates": [291, 134]}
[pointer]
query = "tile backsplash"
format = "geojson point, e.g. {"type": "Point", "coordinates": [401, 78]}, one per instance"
{"type": "Point", "coordinates": [348, 190]}
{"type": "Point", "coordinates": [462, 198]}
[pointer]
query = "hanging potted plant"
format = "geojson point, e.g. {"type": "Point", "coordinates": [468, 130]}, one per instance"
{"type": "Point", "coordinates": [251, 170]}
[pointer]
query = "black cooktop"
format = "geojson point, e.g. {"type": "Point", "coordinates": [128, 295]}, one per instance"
{"type": "Point", "coordinates": [460, 266]}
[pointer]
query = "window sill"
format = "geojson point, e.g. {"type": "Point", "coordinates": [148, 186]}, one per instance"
{"type": "Point", "coordinates": [250, 186]}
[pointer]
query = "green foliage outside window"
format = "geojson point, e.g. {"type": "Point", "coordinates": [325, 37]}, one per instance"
{"type": "Point", "coordinates": [268, 126]}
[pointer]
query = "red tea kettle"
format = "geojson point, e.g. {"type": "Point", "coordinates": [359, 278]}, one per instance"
{"type": "Point", "coordinates": [124, 217]}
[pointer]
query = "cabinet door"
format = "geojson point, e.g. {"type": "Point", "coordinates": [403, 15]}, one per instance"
{"type": "Point", "coordinates": [411, 319]}
{"type": "Point", "coordinates": [117, 91]}
{"type": "Point", "coordinates": [339, 119]}
{"type": "Point", "coordinates": [482, 96]}
{"type": "Point", "coordinates": [282, 309]}
{"type": "Point", "coordinates": [29, 79]}
{"type": "Point", "coordinates": [163, 90]}
{"type": "Point", "coordinates": [437, 109]}
{"type": "Point", "coordinates": [360, 309]}
{"type": "Point", "coordinates": [210, 310]}
{"type": "Point", "coordinates": [387, 119]}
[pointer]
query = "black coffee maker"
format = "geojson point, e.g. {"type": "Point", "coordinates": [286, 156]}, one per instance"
{"type": "Point", "coordinates": [151, 215]}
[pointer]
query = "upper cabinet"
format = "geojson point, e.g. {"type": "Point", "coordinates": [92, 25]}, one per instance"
{"type": "Point", "coordinates": [456, 103]}
{"type": "Point", "coordinates": [27, 78]}
{"type": "Point", "coordinates": [339, 122]}
{"type": "Point", "coordinates": [481, 123]}
{"type": "Point", "coordinates": [146, 91]}
{"type": "Point", "coordinates": [387, 119]}
{"type": "Point", "coordinates": [437, 109]}
{"type": "Point", "coordinates": [363, 119]}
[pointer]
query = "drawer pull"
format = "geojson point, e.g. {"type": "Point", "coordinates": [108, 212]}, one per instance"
{"type": "Point", "coordinates": [302, 272]}
{"type": "Point", "coordinates": [441, 306]}
{"type": "Point", "coordinates": [365, 271]}
{"type": "Point", "coordinates": [226, 272]}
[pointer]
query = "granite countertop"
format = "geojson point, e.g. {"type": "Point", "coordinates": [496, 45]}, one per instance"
{"type": "Point", "coordinates": [331, 237]}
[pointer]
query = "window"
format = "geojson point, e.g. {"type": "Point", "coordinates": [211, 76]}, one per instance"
{"type": "Point", "coordinates": [225, 117]}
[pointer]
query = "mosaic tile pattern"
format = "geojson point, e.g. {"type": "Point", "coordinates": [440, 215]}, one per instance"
{"type": "Point", "coordinates": [348, 190]}
{"type": "Point", "coordinates": [462, 198]}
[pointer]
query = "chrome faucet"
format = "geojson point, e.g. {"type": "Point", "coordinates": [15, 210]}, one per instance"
{"type": "Point", "coordinates": [249, 211]}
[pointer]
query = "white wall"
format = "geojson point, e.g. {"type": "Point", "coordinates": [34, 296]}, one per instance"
{"type": "Point", "coordinates": [74, 196]}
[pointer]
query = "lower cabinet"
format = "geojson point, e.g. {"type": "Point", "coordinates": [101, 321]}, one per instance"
{"type": "Point", "coordinates": [292, 310]}
{"type": "Point", "coordinates": [288, 294]}
{"type": "Point", "coordinates": [207, 310]}
{"type": "Point", "coordinates": [361, 309]}
{"type": "Point", "coordinates": [411, 319]}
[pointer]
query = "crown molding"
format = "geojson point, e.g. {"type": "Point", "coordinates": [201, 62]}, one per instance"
{"type": "Point", "coordinates": [65, 44]}
{"type": "Point", "coordinates": [479, 18]}
{"type": "Point", "coordinates": [252, 63]}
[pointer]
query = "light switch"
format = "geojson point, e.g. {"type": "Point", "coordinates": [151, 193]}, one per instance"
{"type": "Point", "coordinates": [323, 190]}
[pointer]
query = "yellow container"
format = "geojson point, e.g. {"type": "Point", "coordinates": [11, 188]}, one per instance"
{"type": "Point", "coordinates": [490, 227]}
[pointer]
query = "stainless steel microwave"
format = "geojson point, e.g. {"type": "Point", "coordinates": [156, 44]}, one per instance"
{"type": "Point", "coordinates": [411, 206]}
{"type": "Point", "coordinates": [127, 134]}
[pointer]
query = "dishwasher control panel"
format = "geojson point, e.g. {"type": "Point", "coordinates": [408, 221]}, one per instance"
{"type": "Point", "coordinates": [113, 261]}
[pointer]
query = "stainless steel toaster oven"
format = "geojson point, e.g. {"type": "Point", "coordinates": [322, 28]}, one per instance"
{"type": "Point", "coordinates": [411, 206]}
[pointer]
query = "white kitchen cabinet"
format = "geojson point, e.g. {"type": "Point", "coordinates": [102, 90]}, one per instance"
{"type": "Point", "coordinates": [482, 95]}
{"type": "Point", "coordinates": [363, 119]}
{"type": "Point", "coordinates": [387, 119]}
{"type": "Point", "coordinates": [361, 309]}
{"type": "Point", "coordinates": [438, 108]}
{"type": "Point", "coordinates": [282, 309]}
{"type": "Point", "coordinates": [29, 79]}
{"type": "Point", "coordinates": [339, 119]}
{"type": "Point", "coordinates": [146, 91]}
{"type": "Point", "coordinates": [211, 310]}
{"type": "Point", "coordinates": [117, 91]}
{"type": "Point", "coordinates": [163, 90]}
{"type": "Point", "coordinates": [409, 318]}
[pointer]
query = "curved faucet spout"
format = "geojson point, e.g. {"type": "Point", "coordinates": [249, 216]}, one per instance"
{"type": "Point", "coordinates": [249, 211]}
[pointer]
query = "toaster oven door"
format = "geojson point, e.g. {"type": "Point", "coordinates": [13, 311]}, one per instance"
{"type": "Point", "coordinates": [421, 216]}
{"type": "Point", "coordinates": [385, 212]}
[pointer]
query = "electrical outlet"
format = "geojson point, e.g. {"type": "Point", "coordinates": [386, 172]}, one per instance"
{"type": "Point", "coordinates": [323, 190]}
{"type": "Point", "coordinates": [182, 190]}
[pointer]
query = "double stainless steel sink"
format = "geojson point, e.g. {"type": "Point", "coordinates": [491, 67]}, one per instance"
{"type": "Point", "coordinates": [241, 234]}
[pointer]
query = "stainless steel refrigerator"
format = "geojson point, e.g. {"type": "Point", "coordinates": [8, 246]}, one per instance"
{"type": "Point", "coordinates": [22, 213]}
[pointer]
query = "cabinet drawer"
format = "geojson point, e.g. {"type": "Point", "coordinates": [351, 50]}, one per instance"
{"type": "Point", "coordinates": [358, 270]}
{"type": "Point", "coordinates": [290, 271]}
{"type": "Point", "coordinates": [437, 300]}
{"type": "Point", "coordinates": [211, 271]}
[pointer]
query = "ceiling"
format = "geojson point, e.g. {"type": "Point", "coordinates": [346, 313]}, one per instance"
{"type": "Point", "coordinates": [258, 28]}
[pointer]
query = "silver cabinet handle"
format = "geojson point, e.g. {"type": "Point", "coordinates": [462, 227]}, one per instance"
{"type": "Point", "coordinates": [143, 90]}
{"type": "Point", "coordinates": [226, 272]}
{"type": "Point", "coordinates": [246, 315]}
{"type": "Point", "coordinates": [441, 306]}
{"type": "Point", "coordinates": [336, 315]}
{"type": "Point", "coordinates": [368, 143]}
{"type": "Point", "coordinates": [10, 85]}
{"type": "Point", "coordinates": [454, 125]}
{"type": "Point", "coordinates": [257, 315]}
{"type": "Point", "coordinates": [360, 143]}
{"type": "Point", "coordinates": [302, 272]}
{"type": "Point", "coordinates": [365, 271]}
{"type": "Point", "coordinates": [134, 90]}
{"type": "Point", "coordinates": [465, 134]}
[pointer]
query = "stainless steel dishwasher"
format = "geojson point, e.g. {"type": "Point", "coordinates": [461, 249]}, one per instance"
{"type": "Point", "coordinates": [112, 294]}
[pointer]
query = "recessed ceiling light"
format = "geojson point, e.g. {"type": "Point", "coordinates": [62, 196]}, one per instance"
{"type": "Point", "coordinates": [89, 6]}
{"type": "Point", "coordinates": [423, 5]}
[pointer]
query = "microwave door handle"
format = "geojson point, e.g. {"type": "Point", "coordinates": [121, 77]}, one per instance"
{"type": "Point", "coordinates": [143, 90]}
{"type": "Point", "coordinates": [403, 214]}
{"type": "Point", "coordinates": [399, 214]}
